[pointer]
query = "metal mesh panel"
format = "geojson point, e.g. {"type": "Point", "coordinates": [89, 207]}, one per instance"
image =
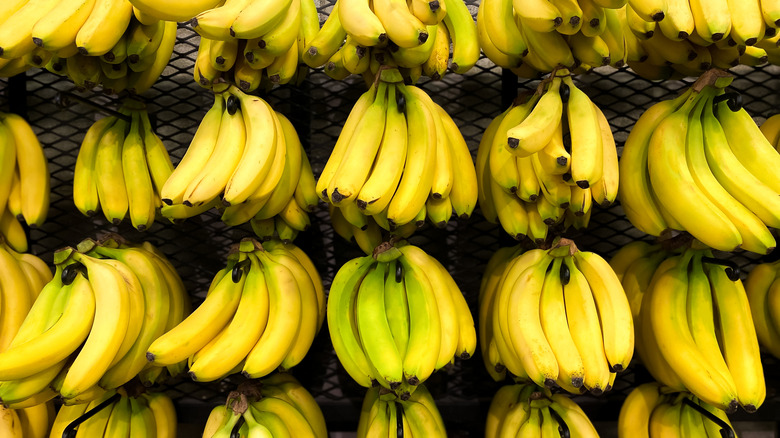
{"type": "Point", "coordinates": [318, 109]}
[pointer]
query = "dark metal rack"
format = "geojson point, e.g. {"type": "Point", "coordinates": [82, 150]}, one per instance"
{"type": "Point", "coordinates": [318, 109]}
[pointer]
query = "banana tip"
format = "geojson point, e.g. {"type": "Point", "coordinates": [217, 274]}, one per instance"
{"type": "Point", "coordinates": [596, 391]}
{"type": "Point", "coordinates": [750, 408]}
{"type": "Point", "coordinates": [549, 382]}
{"type": "Point", "coordinates": [618, 367]}
{"type": "Point", "coordinates": [83, 51]}
{"type": "Point", "coordinates": [658, 16]}
{"type": "Point", "coordinates": [576, 382]}
{"type": "Point", "coordinates": [149, 356]}
{"type": "Point", "coordinates": [465, 355]}
{"type": "Point", "coordinates": [38, 42]}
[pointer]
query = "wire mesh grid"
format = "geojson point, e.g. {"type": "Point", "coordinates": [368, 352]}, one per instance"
{"type": "Point", "coordinates": [318, 109]}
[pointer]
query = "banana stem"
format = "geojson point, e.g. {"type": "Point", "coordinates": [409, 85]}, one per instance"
{"type": "Point", "coordinates": [563, 428]}
{"type": "Point", "coordinates": [732, 269]}
{"type": "Point", "coordinates": [235, 432]}
{"type": "Point", "coordinates": [399, 419]}
{"type": "Point", "coordinates": [725, 430]}
{"type": "Point", "coordinates": [70, 430]}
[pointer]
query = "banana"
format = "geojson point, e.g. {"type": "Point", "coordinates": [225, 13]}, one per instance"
{"type": "Point", "coordinates": [352, 171]}
{"type": "Point", "coordinates": [223, 54]}
{"type": "Point", "coordinates": [140, 189]}
{"type": "Point", "coordinates": [278, 40]}
{"type": "Point", "coordinates": [747, 22]}
{"type": "Point", "coordinates": [261, 143]}
{"type": "Point", "coordinates": [504, 34]}
{"type": "Point", "coordinates": [760, 282]}
{"type": "Point", "coordinates": [553, 321]}
{"type": "Point", "coordinates": [739, 181]}
{"type": "Point", "coordinates": [712, 19]}
{"type": "Point", "coordinates": [33, 170]}
{"type": "Point", "coordinates": [742, 357]}
{"type": "Point", "coordinates": [536, 131]}
{"type": "Point", "coordinates": [589, 50]}
{"type": "Point", "coordinates": [174, 10]}
{"type": "Point", "coordinates": [292, 418]}
{"type": "Point", "coordinates": [594, 18]}
{"type": "Point", "coordinates": [675, 341]}
{"type": "Point", "coordinates": [654, 10]}
{"type": "Point", "coordinates": [284, 314]}
{"type": "Point", "coordinates": [215, 23]}
{"type": "Point", "coordinates": [586, 137]}
{"type": "Point", "coordinates": [58, 28]}
{"type": "Point", "coordinates": [634, 418]}
{"type": "Point", "coordinates": [606, 189]}
{"type": "Point", "coordinates": [9, 172]}
{"type": "Point", "coordinates": [463, 32]}
{"type": "Point", "coordinates": [16, 28]}
{"type": "Point", "coordinates": [740, 129]}
{"type": "Point", "coordinates": [503, 169]}
{"type": "Point", "coordinates": [359, 20]}
{"type": "Point", "coordinates": [104, 27]}
{"type": "Point", "coordinates": [382, 182]}
{"type": "Point", "coordinates": [417, 178]}
{"type": "Point", "coordinates": [679, 22]}
{"type": "Point", "coordinates": [212, 178]}
{"type": "Point", "coordinates": [194, 332]}
{"type": "Point", "coordinates": [326, 42]}
{"type": "Point", "coordinates": [111, 188]}
{"type": "Point", "coordinates": [583, 317]}
{"type": "Point", "coordinates": [528, 338]}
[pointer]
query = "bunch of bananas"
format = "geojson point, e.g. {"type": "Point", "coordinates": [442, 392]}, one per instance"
{"type": "Point", "coordinates": [651, 411]}
{"type": "Point", "coordinates": [263, 43]}
{"type": "Point", "coordinates": [249, 154]}
{"type": "Point", "coordinates": [24, 180]}
{"type": "Point", "coordinates": [399, 158]}
{"type": "Point", "coordinates": [763, 292]}
{"type": "Point", "coordinates": [370, 234]}
{"type": "Point", "coordinates": [384, 415]}
{"type": "Point", "coordinates": [93, 42]}
{"type": "Point", "coordinates": [262, 312]}
{"type": "Point", "coordinates": [397, 316]}
{"type": "Point", "coordinates": [556, 316]}
{"type": "Point", "coordinates": [360, 36]}
{"type": "Point", "coordinates": [699, 163]}
{"type": "Point", "coordinates": [527, 410]}
{"type": "Point", "coordinates": [90, 326]}
{"type": "Point", "coordinates": [685, 38]}
{"type": "Point", "coordinates": [24, 275]}
{"type": "Point", "coordinates": [277, 406]}
{"type": "Point", "coordinates": [771, 130]}
{"type": "Point", "coordinates": [546, 161]}
{"type": "Point", "coordinates": [121, 168]}
{"type": "Point", "coordinates": [533, 36]}
{"type": "Point", "coordinates": [125, 414]}
{"type": "Point", "coordinates": [32, 422]}
{"type": "Point", "coordinates": [694, 329]}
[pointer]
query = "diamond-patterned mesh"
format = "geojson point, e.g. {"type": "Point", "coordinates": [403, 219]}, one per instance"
{"type": "Point", "coordinates": [318, 109]}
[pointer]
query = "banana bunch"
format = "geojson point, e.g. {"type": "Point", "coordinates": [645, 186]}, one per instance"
{"type": "Point", "coordinates": [367, 234]}
{"type": "Point", "coordinates": [358, 37]}
{"type": "Point", "coordinates": [126, 414]}
{"type": "Point", "coordinates": [771, 130]}
{"type": "Point", "coordinates": [90, 326]}
{"type": "Point", "coordinates": [24, 275]}
{"type": "Point", "coordinates": [251, 156]}
{"type": "Point", "coordinates": [121, 167]}
{"type": "Point", "coordinates": [24, 180]}
{"type": "Point", "coordinates": [693, 322]}
{"type": "Point", "coordinates": [652, 411]}
{"type": "Point", "coordinates": [763, 293]}
{"type": "Point", "coordinates": [528, 410]}
{"type": "Point", "coordinates": [399, 158]}
{"type": "Point", "coordinates": [383, 414]}
{"type": "Point", "coordinates": [533, 37]}
{"type": "Point", "coordinates": [93, 42]}
{"type": "Point", "coordinates": [698, 163]}
{"type": "Point", "coordinates": [545, 162]}
{"type": "Point", "coordinates": [262, 312]}
{"type": "Point", "coordinates": [677, 38]}
{"type": "Point", "coordinates": [277, 406]}
{"type": "Point", "coordinates": [556, 316]}
{"type": "Point", "coordinates": [253, 43]}
{"type": "Point", "coordinates": [396, 317]}
{"type": "Point", "coordinates": [31, 422]}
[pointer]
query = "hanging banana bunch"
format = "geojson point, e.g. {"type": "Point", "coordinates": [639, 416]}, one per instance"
{"type": "Point", "coordinates": [651, 410]}
{"type": "Point", "coordinates": [262, 312]}
{"type": "Point", "coordinates": [121, 168]}
{"type": "Point", "coordinates": [250, 156]}
{"type": "Point", "coordinates": [533, 37]}
{"type": "Point", "coordinates": [699, 164]}
{"type": "Point", "coordinates": [556, 316]}
{"type": "Point", "coordinates": [693, 322]}
{"type": "Point", "coordinates": [385, 414]}
{"type": "Point", "coordinates": [422, 324]}
{"type": "Point", "coordinates": [399, 158]}
{"type": "Point", "coordinates": [275, 406]}
{"type": "Point", "coordinates": [359, 37]}
{"type": "Point", "coordinates": [520, 409]}
{"type": "Point", "coordinates": [254, 47]}
{"type": "Point", "coordinates": [92, 323]}
{"type": "Point", "coordinates": [24, 180]}
{"type": "Point", "coordinates": [93, 42]}
{"type": "Point", "coordinates": [544, 162]}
